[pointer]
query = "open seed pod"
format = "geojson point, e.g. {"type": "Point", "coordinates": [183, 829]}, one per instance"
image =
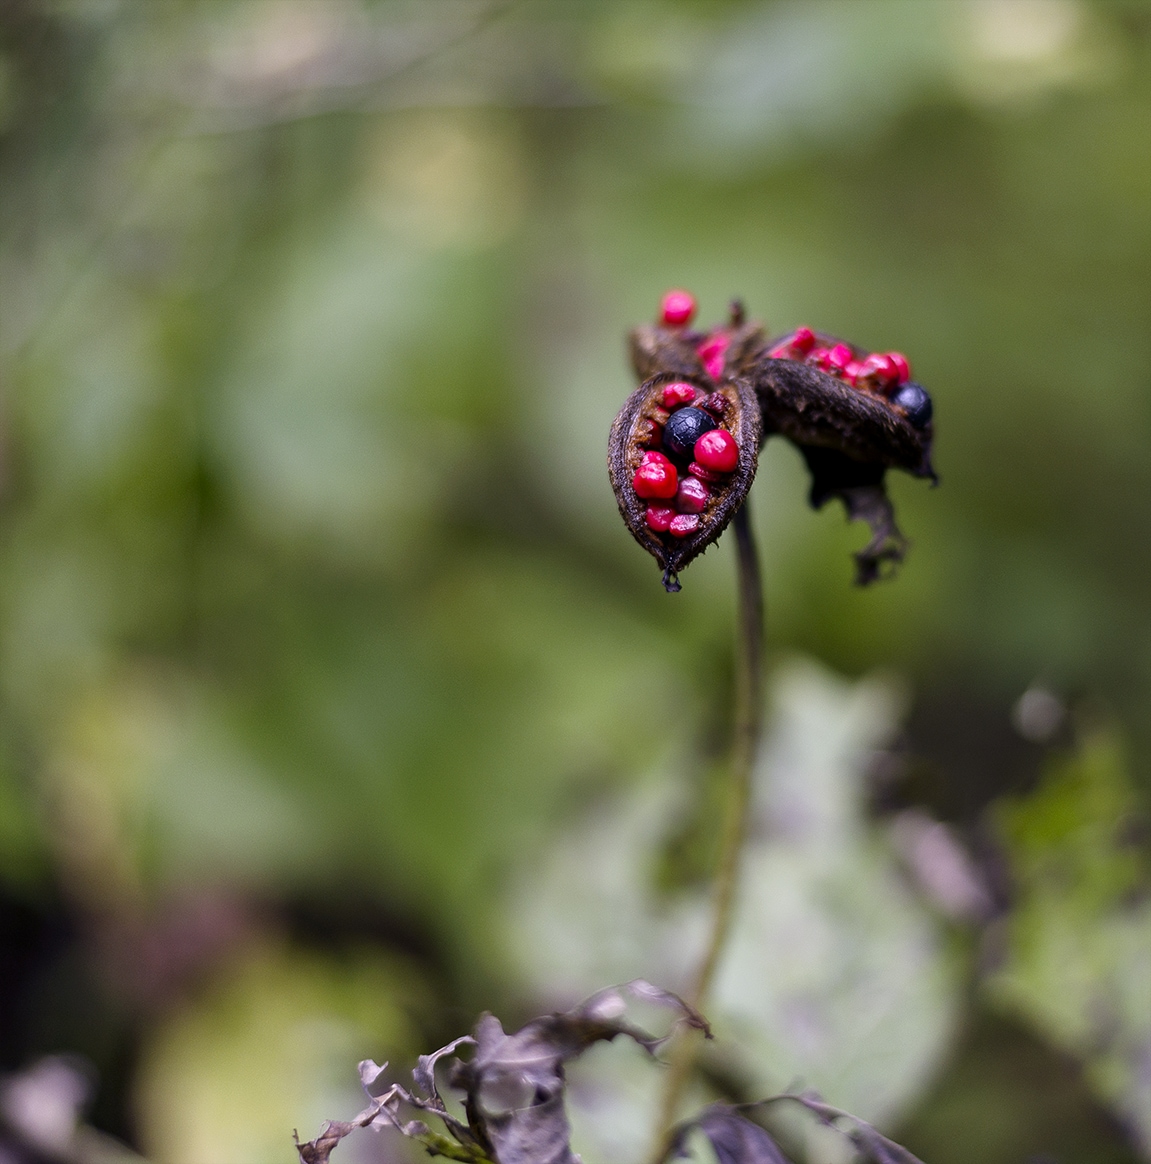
{"type": "Point", "coordinates": [853, 414]}
{"type": "Point", "coordinates": [682, 457]}
{"type": "Point", "coordinates": [852, 419]}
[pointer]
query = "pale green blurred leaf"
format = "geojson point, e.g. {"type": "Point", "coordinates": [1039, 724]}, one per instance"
{"type": "Point", "coordinates": [836, 976]}
{"type": "Point", "coordinates": [1078, 957]}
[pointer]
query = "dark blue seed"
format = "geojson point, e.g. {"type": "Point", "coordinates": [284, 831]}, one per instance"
{"type": "Point", "coordinates": [915, 402]}
{"type": "Point", "coordinates": [684, 427]}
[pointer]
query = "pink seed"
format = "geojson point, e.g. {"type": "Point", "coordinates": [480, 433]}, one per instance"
{"type": "Point", "coordinates": [839, 357]}
{"type": "Point", "coordinates": [879, 368]}
{"type": "Point", "coordinates": [683, 524]}
{"type": "Point", "coordinates": [677, 308]}
{"type": "Point", "coordinates": [693, 495]}
{"type": "Point", "coordinates": [803, 340]}
{"type": "Point", "coordinates": [676, 394]}
{"type": "Point", "coordinates": [697, 470]}
{"type": "Point", "coordinates": [659, 518]}
{"type": "Point", "coordinates": [717, 450]}
{"type": "Point", "coordinates": [902, 367]}
{"type": "Point", "coordinates": [655, 478]}
{"type": "Point", "coordinates": [711, 353]}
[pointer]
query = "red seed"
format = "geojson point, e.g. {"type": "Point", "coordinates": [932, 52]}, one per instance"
{"type": "Point", "coordinates": [683, 524]}
{"type": "Point", "coordinates": [902, 367]}
{"type": "Point", "coordinates": [693, 495]}
{"type": "Point", "coordinates": [852, 371]}
{"type": "Point", "coordinates": [821, 358]}
{"type": "Point", "coordinates": [659, 518]}
{"type": "Point", "coordinates": [715, 403]}
{"type": "Point", "coordinates": [717, 451]}
{"type": "Point", "coordinates": [676, 394]}
{"type": "Point", "coordinates": [803, 340]}
{"type": "Point", "coordinates": [697, 470]}
{"type": "Point", "coordinates": [656, 477]}
{"type": "Point", "coordinates": [677, 308]}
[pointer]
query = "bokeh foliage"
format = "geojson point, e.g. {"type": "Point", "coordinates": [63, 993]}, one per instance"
{"type": "Point", "coordinates": [317, 621]}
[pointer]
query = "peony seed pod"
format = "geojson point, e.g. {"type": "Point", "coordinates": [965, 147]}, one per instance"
{"type": "Point", "coordinates": [677, 542]}
{"type": "Point", "coordinates": [709, 398]}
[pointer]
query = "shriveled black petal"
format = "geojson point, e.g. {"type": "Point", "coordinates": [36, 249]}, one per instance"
{"type": "Point", "coordinates": [626, 449]}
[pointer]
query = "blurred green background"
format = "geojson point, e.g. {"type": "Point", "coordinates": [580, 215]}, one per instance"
{"type": "Point", "coordinates": [321, 640]}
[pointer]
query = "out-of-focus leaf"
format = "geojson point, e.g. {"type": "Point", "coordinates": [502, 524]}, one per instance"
{"type": "Point", "coordinates": [733, 1138]}
{"type": "Point", "coordinates": [41, 1110]}
{"type": "Point", "coordinates": [874, 1147]}
{"type": "Point", "coordinates": [835, 973]}
{"type": "Point", "coordinates": [1078, 956]}
{"type": "Point", "coordinates": [264, 1047]}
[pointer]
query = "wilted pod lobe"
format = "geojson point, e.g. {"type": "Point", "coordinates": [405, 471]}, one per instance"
{"type": "Point", "coordinates": [682, 457]}
{"type": "Point", "coordinates": [844, 406]}
{"type": "Point", "coordinates": [853, 415]}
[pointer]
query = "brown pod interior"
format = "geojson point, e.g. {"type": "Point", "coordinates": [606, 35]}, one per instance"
{"type": "Point", "coordinates": [632, 436]}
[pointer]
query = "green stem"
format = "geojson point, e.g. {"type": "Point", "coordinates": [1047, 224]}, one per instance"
{"type": "Point", "coordinates": [748, 722]}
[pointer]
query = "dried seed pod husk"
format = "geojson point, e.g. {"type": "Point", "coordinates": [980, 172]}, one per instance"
{"type": "Point", "coordinates": [626, 447]}
{"type": "Point", "coordinates": [849, 437]}
{"type": "Point", "coordinates": [655, 348]}
{"type": "Point", "coordinates": [809, 407]}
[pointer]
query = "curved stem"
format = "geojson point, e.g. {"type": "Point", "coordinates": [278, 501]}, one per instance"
{"type": "Point", "coordinates": [748, 721]}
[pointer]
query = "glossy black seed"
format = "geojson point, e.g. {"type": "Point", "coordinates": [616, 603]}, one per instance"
{"type": "Point", "coordinates": [915, 402]}
{"type": "Point", "coordinates": [684, 427]}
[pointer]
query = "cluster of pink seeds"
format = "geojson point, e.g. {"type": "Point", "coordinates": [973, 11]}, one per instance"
{"type": "Point", "coordinates": [675, 500]}
{"type": "Point", "coordinates": [881, 372]}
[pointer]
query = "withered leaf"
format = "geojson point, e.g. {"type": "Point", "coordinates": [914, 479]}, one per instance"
{"type": "Point", "coordinates": [514, 1094]}
{"type": "Point", "coordinates": [733, 1138]}
{"type": "Point", "coordinates": [513, 1085]}
{"type": "Point", "coordinates": [872, 1146]}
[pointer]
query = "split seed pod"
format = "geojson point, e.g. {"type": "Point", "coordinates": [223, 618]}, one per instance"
{"type": "Point", "coordinates": [852, 414]}
{"type": "Point", "coordinates": [709, 488]}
